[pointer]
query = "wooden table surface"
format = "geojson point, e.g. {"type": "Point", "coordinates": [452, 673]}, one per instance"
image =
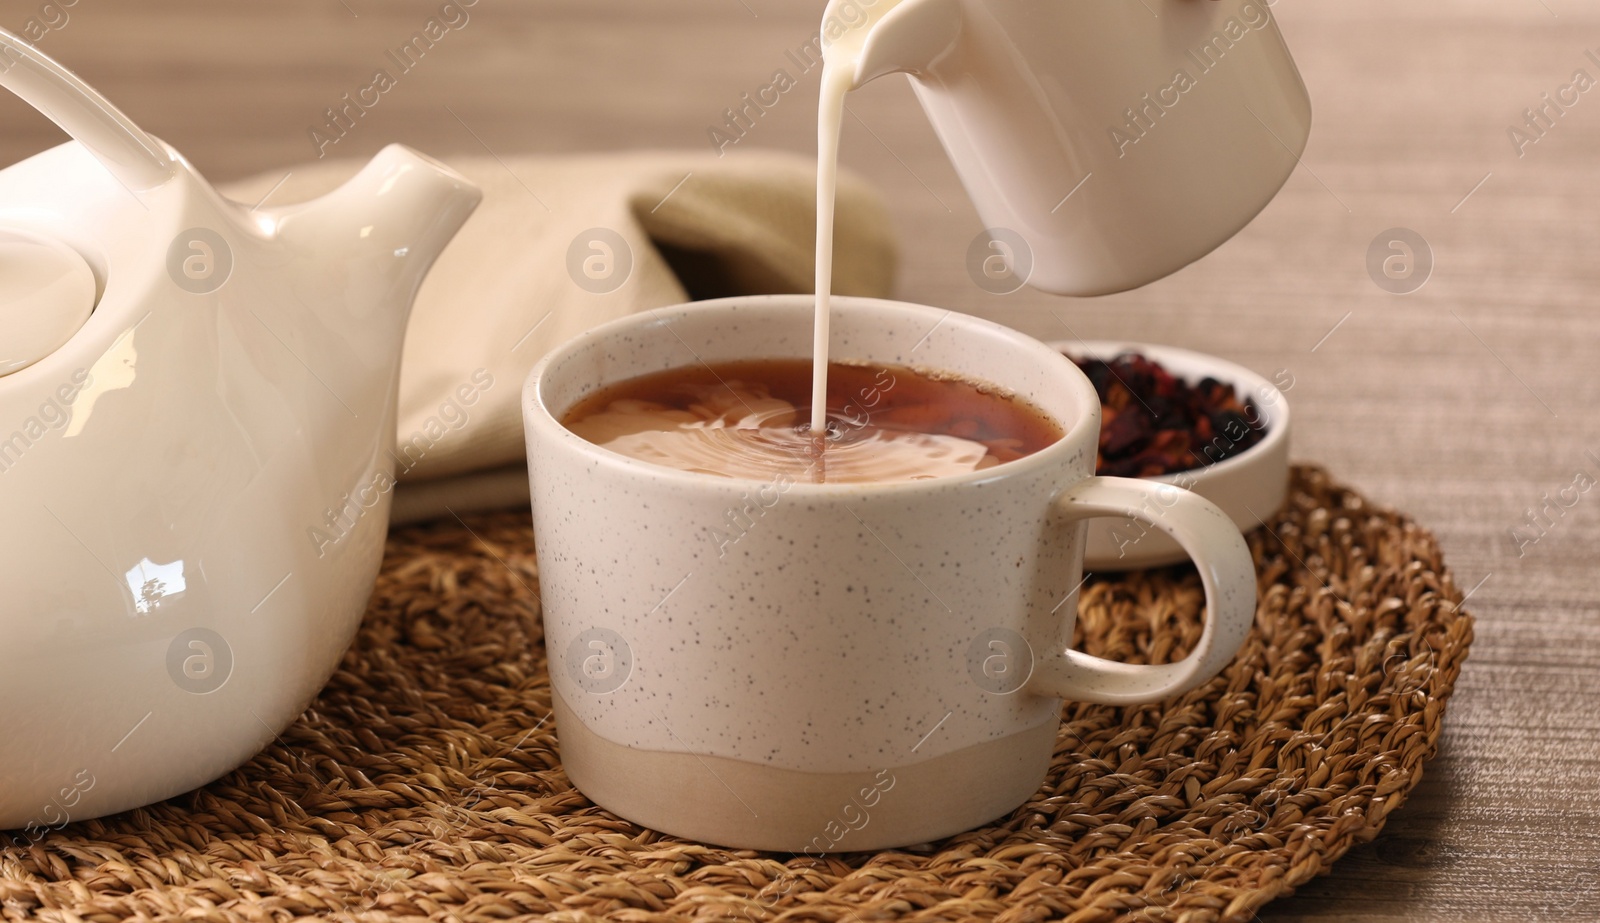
{"type": "Point", "coordinates": [1463, 403]}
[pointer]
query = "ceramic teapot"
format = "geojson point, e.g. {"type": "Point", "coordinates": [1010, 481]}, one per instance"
{"type": "Point", "coordinates": [197, 412]}
{"type": "Point", "coordinates": [1105, 144]}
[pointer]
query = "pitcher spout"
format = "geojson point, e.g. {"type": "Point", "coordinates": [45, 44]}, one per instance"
{"type": "Point", "coordinates": [879, 37]}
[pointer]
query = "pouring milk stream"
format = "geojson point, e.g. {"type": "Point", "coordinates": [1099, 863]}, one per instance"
{"type": "Point", "coordinates": [839, 60]}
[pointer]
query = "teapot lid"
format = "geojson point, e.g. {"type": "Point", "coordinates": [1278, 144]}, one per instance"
{"type": "Point", "coordinates": [47, 292]}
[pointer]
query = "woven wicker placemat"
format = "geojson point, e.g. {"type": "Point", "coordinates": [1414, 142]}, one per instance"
{"type": "Point", "coordinates": [424, 782]}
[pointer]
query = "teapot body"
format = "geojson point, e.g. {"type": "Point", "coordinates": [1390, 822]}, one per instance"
{"type": "Point", "coordinates": [196, 448]}
{"type": "Point", "coordinates": [194, 489]}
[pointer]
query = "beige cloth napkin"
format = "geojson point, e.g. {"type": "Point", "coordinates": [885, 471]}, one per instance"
{"type": "Point", "coordinates": [513, 284]}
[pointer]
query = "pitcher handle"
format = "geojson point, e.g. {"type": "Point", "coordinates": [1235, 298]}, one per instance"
{"type": "Point", "coordinates": [137, 160]}
{"type": "Point", "coordinates": [1226, 571]}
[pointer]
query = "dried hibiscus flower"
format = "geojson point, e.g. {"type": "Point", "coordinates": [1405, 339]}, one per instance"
{"type": "Point", "coordinates": [1154, 423]}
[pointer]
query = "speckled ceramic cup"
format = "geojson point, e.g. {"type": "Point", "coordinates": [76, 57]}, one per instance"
{"type": "Point", "coordinates": [818, 667]}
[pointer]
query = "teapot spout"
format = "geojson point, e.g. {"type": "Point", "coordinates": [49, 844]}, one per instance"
{"type": "Point", "coordinates": [880, 37]}
{"type": "Point", "coordinates": [402, 207]}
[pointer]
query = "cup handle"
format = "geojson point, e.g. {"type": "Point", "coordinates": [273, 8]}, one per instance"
{"type": "Point", "coordinates": [1226, 570]}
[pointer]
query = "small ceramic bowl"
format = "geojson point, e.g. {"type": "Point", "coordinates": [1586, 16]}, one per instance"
{"type": "Point", "coordinates": [1249, 487]}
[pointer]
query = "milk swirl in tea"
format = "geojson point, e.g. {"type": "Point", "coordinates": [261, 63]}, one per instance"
{"type": "Point", "coordinates": [747, 419]}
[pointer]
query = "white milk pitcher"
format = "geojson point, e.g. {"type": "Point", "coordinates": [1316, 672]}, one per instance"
{"type": "Point", "coordinates": [1105, 143]}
